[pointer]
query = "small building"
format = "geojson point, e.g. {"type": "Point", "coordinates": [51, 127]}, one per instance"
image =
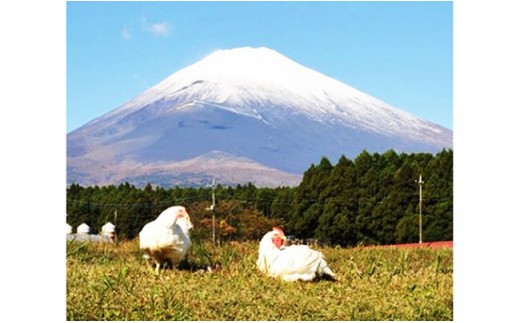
{"type": "Point", "coordinates": [83, 228]}
{"type": "Point", "coordinates": [108, 230]}
{"type": "Point", "coordinates": [68, 228]}
{"type": "Point", "coordinates": [82, 234]}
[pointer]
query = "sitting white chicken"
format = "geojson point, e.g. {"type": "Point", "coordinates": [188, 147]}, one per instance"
{"type": "Point", "coordinates": [296, 262]}
{"type": "Point", "coordinates": [167, 238]}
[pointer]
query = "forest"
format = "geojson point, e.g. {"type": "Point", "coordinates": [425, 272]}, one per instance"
{"type": "Point", "coordinates": [370, 200]}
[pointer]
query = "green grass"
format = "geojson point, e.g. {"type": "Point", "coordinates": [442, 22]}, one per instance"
{"type": "Point", "coordinates": [113, 282]}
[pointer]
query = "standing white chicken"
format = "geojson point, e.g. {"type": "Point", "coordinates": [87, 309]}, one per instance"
{"type": "Point", "coordinates": [296, 262]}
{"type": "Point", "coordinates": [167, 238]}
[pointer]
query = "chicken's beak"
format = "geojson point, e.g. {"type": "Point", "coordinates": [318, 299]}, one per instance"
{"type": "Point", "coordinates": [284, 240]}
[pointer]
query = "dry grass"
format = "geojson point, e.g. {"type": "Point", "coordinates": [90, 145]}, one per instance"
{"type": "Point", "coordinates": [113, 282]}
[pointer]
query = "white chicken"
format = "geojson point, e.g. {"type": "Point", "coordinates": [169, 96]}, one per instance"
{"type": "Point", "coordinates": [167, 238]}
{"type": "Point", "coordinates": [296, 262]}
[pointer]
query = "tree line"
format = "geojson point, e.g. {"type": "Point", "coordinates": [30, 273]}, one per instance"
{"type": "Point", "coordinates": [372, 199]}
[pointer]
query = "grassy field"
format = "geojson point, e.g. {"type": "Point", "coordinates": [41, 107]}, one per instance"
{"type": "Point", "coordinates": [113, 282]}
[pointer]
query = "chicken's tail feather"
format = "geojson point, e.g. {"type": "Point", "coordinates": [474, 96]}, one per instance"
{"type": "Point", "coordinates": [328, 271]}
{"type": "Point", "coordinates": [324, 270]}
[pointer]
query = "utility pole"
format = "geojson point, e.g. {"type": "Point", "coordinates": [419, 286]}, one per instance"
{"type": "Point", "coordinates": [212, 208]}
{"type": "Point", "coordinates": [420, 182]}
{"type": "Point", "coordinates": [115, 225]}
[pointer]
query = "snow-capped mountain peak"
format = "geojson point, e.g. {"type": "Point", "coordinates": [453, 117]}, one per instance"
{"type": "Point", "coordinates": [246, 79]}
{"type": "Point", "coordinates": [254, 103]}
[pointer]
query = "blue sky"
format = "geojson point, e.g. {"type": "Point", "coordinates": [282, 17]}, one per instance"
{"type": "Point", "coordinates": [399, 52]}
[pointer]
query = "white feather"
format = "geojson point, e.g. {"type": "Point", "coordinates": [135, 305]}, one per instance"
{"type": "Point", "coordinates": [296, 262]}
{"type": "Point", "coordinates": [167, 238]}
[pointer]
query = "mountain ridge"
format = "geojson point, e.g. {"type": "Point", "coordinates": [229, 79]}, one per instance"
{"type": "Point", "coordinates": [251, 103]}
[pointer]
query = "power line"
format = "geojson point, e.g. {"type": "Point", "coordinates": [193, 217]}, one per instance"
{"type": "Point", "coordinates": [165, 202]}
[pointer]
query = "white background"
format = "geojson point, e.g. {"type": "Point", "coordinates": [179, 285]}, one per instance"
{"type": "Point", "coordinates": [487, 160]}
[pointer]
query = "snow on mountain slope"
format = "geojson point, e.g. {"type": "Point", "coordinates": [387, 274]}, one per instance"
{"type": "Point", "coordinates": [244, 78]}
{"type": "Point", "coordinates": [254, 103]}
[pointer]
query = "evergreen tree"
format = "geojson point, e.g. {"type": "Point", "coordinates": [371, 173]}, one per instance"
{"type": "Point", "coordinates": [340, 205]}
{"type": "Point", "coordinates": [367, 195]}
{"type": "Point", "coordinates": [281, 205]}
{"type": "Point", "coordinates": [371, 200]}
{"type": "Point", "coordinates": [438, 198]}
{"type": "Point", "coordinates": [308, 204]}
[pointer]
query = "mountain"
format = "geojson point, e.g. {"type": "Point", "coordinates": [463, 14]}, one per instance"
{"type": "Point", "coordinates": [226, 169]}
{"type": "Point", "coordinates": [252, 105]}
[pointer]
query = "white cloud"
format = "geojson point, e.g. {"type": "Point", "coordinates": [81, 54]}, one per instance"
{"type": "Point", "coordinates": [125, 33]}
{"type": "Point", "coordinates": [159, 29]}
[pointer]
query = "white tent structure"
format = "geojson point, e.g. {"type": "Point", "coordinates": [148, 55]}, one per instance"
{"type": "Point", "coordinates": [108, 230]}
{"type": "Point", "coordinates": [68, 228]}
{"type": "Point", "coordinates": [83, 228]}
{"type": "Point", "coordinates": [83, 235]}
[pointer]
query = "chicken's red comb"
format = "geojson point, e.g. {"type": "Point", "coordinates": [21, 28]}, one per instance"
{"type": "Point", "coordinates": [279, 230]}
